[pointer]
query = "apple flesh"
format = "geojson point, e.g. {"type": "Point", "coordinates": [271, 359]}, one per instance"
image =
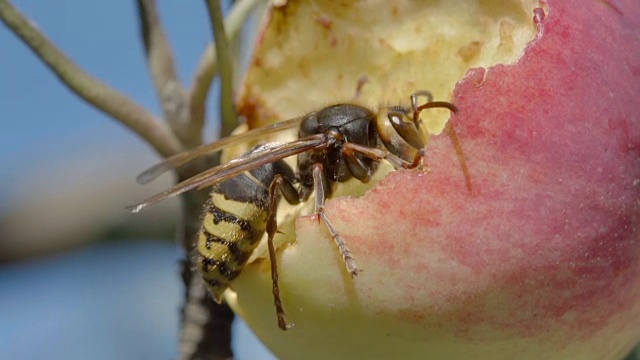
{"type": "Point", "coordinates": [540, 261]}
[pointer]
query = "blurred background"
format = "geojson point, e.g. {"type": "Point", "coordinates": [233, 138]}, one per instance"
{"type": "Point", "coordinates": [80, 277]}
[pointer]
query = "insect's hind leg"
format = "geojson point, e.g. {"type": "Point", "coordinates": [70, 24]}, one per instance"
{"type": "Point", "coordinates": [279, 186]}
{"type": "Point", "coordinates": [319, 183]}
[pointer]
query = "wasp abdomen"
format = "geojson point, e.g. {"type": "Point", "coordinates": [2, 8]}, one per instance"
{"type": "Point", "coordinates": [230, 232]}
{"type": "Point", "coordinates": [234, 221]}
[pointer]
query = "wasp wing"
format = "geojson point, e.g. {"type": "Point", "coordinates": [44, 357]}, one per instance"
{"type": "Point", "coordinates": [244, 163]}
{"type": "Point", "coordinates": [184, 157]}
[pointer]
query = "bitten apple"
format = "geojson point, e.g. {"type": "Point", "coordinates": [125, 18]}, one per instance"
{"type": "Point", "coordinates": [541, 260]}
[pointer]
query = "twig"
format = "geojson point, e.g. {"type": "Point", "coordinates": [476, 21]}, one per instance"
{"type": "Point", "coordinates": [207, 67]}
{"type": "Point", "coordinates": [206, 326]}
{"type": "Point", "coordinates": [171, 94]}
{"type": "Point", "coordinates": [103, 97]}
{"type": "Point", "coordinates": [227, 108]}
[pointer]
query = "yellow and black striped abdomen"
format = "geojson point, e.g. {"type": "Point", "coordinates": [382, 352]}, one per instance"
{"type": "Point", "coordinates": [230, 232]}
{"type": "Point", "coordinates": [234, 221]}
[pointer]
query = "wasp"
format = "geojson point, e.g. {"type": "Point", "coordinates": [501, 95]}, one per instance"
{"type": "Point", "coordinates": [333, 145]}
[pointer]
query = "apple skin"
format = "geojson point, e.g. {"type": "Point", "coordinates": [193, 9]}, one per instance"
{"type": "Point", "coordinates": [540, 261]}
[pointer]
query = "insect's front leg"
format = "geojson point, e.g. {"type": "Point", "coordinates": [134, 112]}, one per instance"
{"type": "Point", "coordinates": [279, 186]}
{"type": "Point", "coordinates": [348, 150]}
{"type": "Point", "coordinates": [319, 183]}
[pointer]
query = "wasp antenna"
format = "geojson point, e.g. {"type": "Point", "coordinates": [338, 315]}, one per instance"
{"type": "Point", "coordinates": [414, 98]}
{"type": "Point", "coordinates": [438, 104]}
{"type": "Point", "coordinates": [460, 154]}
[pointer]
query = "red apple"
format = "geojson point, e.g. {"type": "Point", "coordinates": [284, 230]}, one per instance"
{"type": "Point", "coordinates": [541, 260]}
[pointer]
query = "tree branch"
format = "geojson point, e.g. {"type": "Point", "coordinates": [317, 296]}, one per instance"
{"type": "Point", "coordinates": [207, 67]}
{"type": "Point", "coordinates": [227, 108]}
{"type": "Point", "coordinates": [206, 326]}
{"type": "Point", "coordinates": [171, 95]}
{"type": "Point", "coordinates": [98, 94]}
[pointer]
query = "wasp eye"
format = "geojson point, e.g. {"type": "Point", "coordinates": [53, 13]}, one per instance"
{"type": "Point", "coordinates": [407, 129]}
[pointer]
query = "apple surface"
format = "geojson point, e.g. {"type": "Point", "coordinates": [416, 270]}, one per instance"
{"type": "Point", "coordinates": [540, 260]}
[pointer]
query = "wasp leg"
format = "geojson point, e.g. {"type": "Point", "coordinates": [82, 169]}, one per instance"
{"type": "Point", "coordinates": [376, 154]}
{"type": "Point", "coordinates": [279, 186]}
{"type": "Point", "coordinates": [319, 184]}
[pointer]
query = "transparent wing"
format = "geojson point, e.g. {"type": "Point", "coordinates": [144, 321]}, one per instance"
{"type": "Point", "coordinates": [244, 163]}
{"type": "Point", "coordinates": [184, 157]}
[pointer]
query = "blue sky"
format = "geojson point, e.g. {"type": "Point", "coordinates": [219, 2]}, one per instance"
{"type": "Point", "coordinates": [44, 125]}
{"type": "Point", "coordinates": [41, 118]}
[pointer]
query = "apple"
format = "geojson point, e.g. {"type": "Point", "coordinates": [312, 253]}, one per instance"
{"type": "Point", "coordinates": [541, 260]}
